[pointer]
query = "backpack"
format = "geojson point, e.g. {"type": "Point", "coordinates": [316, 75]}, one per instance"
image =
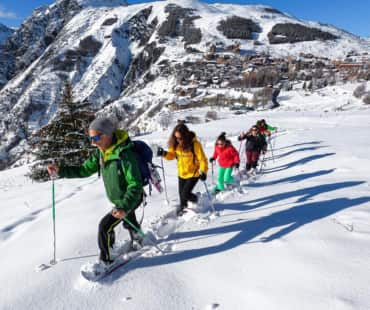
{"type": "Point", "coordinates": [148, 172]}
{"type": "Point", "coordinates": [144, 156]}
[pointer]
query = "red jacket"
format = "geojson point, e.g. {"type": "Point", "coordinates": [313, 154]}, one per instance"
{"type": "Point", "coordinates": [264, 131]}
{"type": "Point", "coordinates": [227, 156]}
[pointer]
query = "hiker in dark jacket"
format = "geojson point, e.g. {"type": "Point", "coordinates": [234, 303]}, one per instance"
{"type": "Point", "coordinates": [123, 184]}
{"type": "Point", "coordinates": [255, 144]}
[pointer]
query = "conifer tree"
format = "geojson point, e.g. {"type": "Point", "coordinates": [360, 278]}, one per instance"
{"type": "Point", "coordinates": [64, 140]}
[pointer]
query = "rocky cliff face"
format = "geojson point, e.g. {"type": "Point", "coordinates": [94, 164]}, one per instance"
{"type": "Point", "coordinates": [291, 33]}
{"type": "Point", "coordinates": [112, 54]}
{"type": "Point", "coordinates": [5, 33]}
{"type": "Point", "coordinates": [33, 37]}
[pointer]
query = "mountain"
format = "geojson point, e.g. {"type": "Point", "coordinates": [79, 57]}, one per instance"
{"type": "Point", "coordinates": [5, 33]}
{"type": "Point", "coordinates": [121, 57]}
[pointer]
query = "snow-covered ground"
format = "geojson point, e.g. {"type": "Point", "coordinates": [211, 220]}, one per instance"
{"type": "Point", "coordinates": [297, 237]}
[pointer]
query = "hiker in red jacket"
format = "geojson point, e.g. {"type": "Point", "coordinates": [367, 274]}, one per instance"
{"type": "Point", "coordinates": [228, 158]}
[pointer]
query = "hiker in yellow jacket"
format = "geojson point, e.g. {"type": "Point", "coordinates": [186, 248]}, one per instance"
{"type": "Point", "coordinates": [192, 163]}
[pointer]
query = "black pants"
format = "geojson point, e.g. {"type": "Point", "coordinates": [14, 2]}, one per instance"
{"type": "Point", "coordinates": [185, 190]}
{"type": "Point", "coordinates": [275, 104]}
{"type": "Point", "coordinates": [106, 235]}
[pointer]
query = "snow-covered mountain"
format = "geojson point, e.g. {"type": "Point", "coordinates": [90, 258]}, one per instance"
{"type": "Point", "coordinates": [5, 33]}
{"type": "Point", "coordinates": [106, 49]}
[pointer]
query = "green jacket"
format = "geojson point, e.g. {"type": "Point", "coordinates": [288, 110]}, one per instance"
{"type": "Point", "coordinates": [125, 189]}
{"type": "Point", "coordinates": [271, 128]}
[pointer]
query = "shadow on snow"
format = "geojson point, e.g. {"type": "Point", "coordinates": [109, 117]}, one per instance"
{"type": "Point", "coordinates": [246, 230]}
{"type": "Point", "coordinates": [292, 179]}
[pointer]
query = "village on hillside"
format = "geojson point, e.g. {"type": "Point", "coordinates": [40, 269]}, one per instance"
{"type": "Point", "coordinates": [230, 68]}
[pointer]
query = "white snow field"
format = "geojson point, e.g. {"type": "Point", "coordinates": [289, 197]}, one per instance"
{"type": "Point", "coordinates": [295, 237]}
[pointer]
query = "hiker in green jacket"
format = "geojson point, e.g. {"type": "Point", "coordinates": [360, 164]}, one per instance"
{"type": "Point", "coordinates": [262, 125]}
{"type": "Point", "coordinates": [123, 184]}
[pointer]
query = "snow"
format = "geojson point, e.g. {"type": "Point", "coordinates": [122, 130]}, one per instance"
{"type": "Point", "coordinates": [295, 237]}
{"type": "Point", "coordinates": [99, 78]}
{"type": "Point", "coordinates": [101, 3]}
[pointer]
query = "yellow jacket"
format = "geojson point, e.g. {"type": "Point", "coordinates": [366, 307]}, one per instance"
{"type": "Point", "coordinates": [188, 165]}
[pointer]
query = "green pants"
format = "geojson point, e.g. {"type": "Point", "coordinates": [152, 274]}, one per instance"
{"type": "Point", "coordinates": [224, 176]}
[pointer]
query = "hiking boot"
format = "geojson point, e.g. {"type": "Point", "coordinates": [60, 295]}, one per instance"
{"type": "Point", "coordinates": [136, 240]}
{"type": "Point", "coordinates": [229, 186]}
{"type": "Point", "coordinates": [192, 205]}
{"type": "Point", "coordinates": [101, 266]}
{"type": "Point", "coordinates": [136, 245]}
{"type": "Point", "coordinates": [215, 191]}
{"type": "Point", "coordinates": [118, 249]}
{"type": "Point", "coordinates": [181, 211]}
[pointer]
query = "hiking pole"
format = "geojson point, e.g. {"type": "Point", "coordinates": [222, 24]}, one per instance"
{"type": "Point", "coordinates": [272, 151]}
{"type": "Point", "coordinates": [240, 146]}
{"type": "Point", "coordinates": [241, 150]}
{"type": "Point", "coordinates": [213, 174]}
{"type": "Point", "coordinates": [142, 235]}
{"type": "Point", "coordinates": [54, 260]}
{"type": "Point", "coordinates": [240, 180]}
{"type": "Point", "coordinates": [164, 182]}
{"type": "Point", "coordinates": [275, 137]}
{"type": "Point", "coordinates": [262, 162]}
{"type": "Point", "coordinates": [240, 175]}
{"type": "Point", "coordinates": [210, 198]}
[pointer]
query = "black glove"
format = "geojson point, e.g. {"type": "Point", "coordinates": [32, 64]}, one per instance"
{"type": "Point", "coordinates": [211, 160]}
{"type": "Point", "coordinates": [240, 138]}
{"type": "Point", "coordinates": [236, 165]}
{"type": "Point", "coordinates": [203, 176]}
{"type": "Point", "coordinates": [161, 152]}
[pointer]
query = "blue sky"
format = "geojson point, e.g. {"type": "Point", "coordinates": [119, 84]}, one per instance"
{"type": "Point", "coordinates": [353, 16]}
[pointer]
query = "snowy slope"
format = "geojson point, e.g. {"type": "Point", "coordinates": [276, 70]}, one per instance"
{"type": "Point", "coordinates": [297, 237]}
{"type": "Point", "coordinates": [106, 49]}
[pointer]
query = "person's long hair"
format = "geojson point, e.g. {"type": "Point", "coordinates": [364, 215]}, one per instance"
{"type": "Point", "coordinates": [222, 138]}
{"type": "Point", "coordinates": [187, 137]}
{"type": "Point", "coordinates": [261, 124]}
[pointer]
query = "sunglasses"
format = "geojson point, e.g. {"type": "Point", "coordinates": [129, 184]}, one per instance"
{"type": "Point", "coordinates": [95, 138]}
{"type": "Point", "coordinates": [221, 144]}
{"type": "Point", "coordinates": [178, 138]}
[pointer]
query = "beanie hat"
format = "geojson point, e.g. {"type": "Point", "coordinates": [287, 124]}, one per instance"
{"type": "Point", "coordinates": [104, 125]}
